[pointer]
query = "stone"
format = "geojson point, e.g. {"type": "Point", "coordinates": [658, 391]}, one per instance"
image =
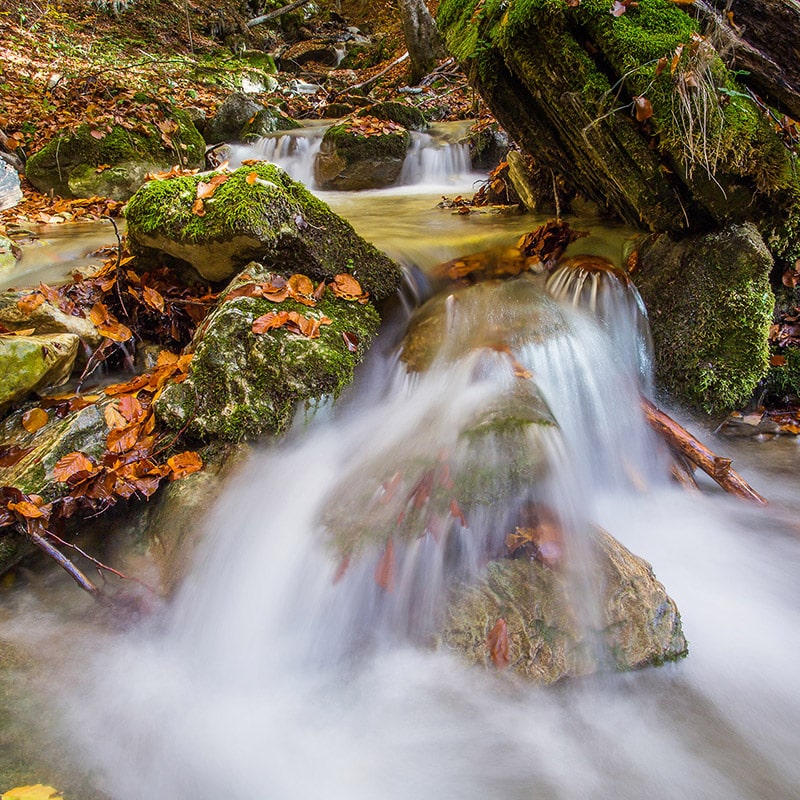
{"type": "Point", "coordinates": [10, 191]}
{"type": "Point", "coordinates": [245, 385]}
{"type": "Point", "coordinates": [551, 634]}
{"type": "Point", "coordinates": [710, 307]}
{"type": "Point", "coordinates": [350, 161]}
{"type": "Point", "coordinates": [8, 254]}
{"type": "Point", "coordinates": [487, 147]}
{"type": "Point", "coordinates": [70, 164]}
{"type": "Point", "coordinates": [230, 117]}
{"type": "Point", "coordinates": [30, 363]}
{"type": "Point", "coordinates": [270, 218]}
{"type": "Point", "coordinates": [410, 117]}
{"type": "Point", "coordinates": [268, 120]}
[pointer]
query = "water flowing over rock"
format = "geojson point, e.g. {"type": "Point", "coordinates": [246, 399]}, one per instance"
{"type": "Point", "coordinates": [548, 635]}
{"type": "Point", "coordinates": [113, 163]}
{"type": "Point", "coordinates": [350, 160]}
{"type": "Point", "coordinates": [260, 213]}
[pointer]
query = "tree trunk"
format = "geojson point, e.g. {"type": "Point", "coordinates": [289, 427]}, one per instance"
{"type": "Point", "coordinates": [422, 38]}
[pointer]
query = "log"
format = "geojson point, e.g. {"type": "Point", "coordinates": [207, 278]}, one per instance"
{"type": "Point", "coordinates": [717, 468]}
{"type": "Point", "coordinates": [278, 12]}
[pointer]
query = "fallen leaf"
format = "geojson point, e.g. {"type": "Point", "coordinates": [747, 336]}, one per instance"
{"type": "Point", "coordinates": [497, 642]}
{"type": "Point", "coordinates": [27, 510]}
{"type": "Point", "coordinates": [30, 302]}
{"type": "Point", "coordinates": [643, 107]}
{"type": "Point", "coordinates": [35, 419]}
{"type": "Point", "coordinates": [351, 341]}
{"type": "Point", "coordinates": [184, 464]}
{"type": "Point", "coordinates": [207, 189]}
{"type": "Point", "coordinates": [35, 792]}
{"type": "Point", "coordinates": [252, 177]}
{"type": "Point", "coordinates": [73, 464]}
{"type": "Point", "coordinates": [198, 208]}
{"type": "Point", "coordinates": [153, 298]}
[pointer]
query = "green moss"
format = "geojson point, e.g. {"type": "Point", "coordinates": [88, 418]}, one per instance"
{"type": "Point", "coordinates": [268, 121]}
{"type": "Point", "coordinates": [404, 114]}
{"type": "Point", "coordinates": [350, 143]}
{"type": "Point", "coordinates": [783, 381]}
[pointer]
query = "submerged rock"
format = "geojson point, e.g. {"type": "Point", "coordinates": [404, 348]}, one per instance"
{"type": "Point", "coordinates": [28, 363]}
{"type": "Point", "coordinates": [256, 212]}
{"type": "Point", "coordinates": [113, 163]}
{"type": "Point", "coordinates": [242, 384]}
{"type": "Point", "coordinates": [351, 158]}
{"type": "Point", "coordinates": [549, 628]}
{"type": "Point", "coordinates": [710, 307]}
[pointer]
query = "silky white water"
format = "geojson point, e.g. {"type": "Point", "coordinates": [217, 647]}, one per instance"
{"type": "Point", "coordinates": [267, 677]}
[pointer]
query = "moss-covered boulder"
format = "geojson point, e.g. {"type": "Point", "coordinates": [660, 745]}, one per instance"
{"type": "Point", "coordinates": [113, 163]}
{"type": "Point", "coordinates": [636, 111]}
{"type": "Point", "coordinates": [257, 212]}
{"type": "Point", "coordinates": [244, 384]}
{"type": "Point", "coordinates": [230, 118]}
{"type": "Point", "coordinates": [266, 121]}
{"type": "Point", "coordinates": [410, 117]}
{"type": "Point", "coordinates": [551, 632]}
{"type": "Point", "coordinates": [28, 363]}
{"type": "Point", "coordinates": [710, 307]}
{"type": "Point", "coordinates": [358, 154]}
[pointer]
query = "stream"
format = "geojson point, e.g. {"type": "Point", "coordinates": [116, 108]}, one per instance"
{"type": "Point", "coordinates": [266, 677]}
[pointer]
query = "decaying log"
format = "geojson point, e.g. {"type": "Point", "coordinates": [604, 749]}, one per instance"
{"type": "Point", "coordinates": [717, 468]}
{"type": "Point", "coordinates": [278, 12]}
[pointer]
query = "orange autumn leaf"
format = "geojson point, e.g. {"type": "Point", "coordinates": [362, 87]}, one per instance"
{"type": "Point", "coordinates": [643, 107]}
{"type": "Point", "coordinates": [72, 464]}
{"type": "Point", "coordinates": [270, 320]}
{"type": "Point", "coordinates": [384, 572]}
{"type": "Point", "coordinates": [130, 408]}
{"type": "Point", "coordinates": [120, 440]}
{"type": "Point", "coordinates": [153, 299]}
{"type": "Point", "coordinates": [207, 189]}
{"type": "Point", "coordinates": [113, 417]}
{"type": "Point", "coordinates": [300, 285]}
{"type": "Point", "coordinates": [347, 287]}
{"type": "Point", "coordinates": [184, 464]}
{"type": "Point", "coordinates": [30, 302]}
{"type": "Point", "coordinates": [26, 509]}
{"type": "Point", "coordinates": [198, 208]}
{"type": "Point", "coordinates": [497, 642]}
{"type": "Point", "coordinates": [252, 177]}
{"type": "Point", "coordinates": [115, 331]}
{"type": "Point", "coordinates": [99, 313]}
{"type": "Point", "coordinates": [34, 419]}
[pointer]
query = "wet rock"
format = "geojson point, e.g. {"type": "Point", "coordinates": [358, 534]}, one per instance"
{"type": "Point", "coordinates": [8, 254]}
{"type": "Point", "coordinates": [230, 117]}
{"type": "Point", "coordinates": [410, 117]}
{"type": "Point", "coordinates": [324, 53]}
{"type": "Point", "coordinates": [87, 162]}
{"type": "Point", "coordinates": [349, 160]}
{"type": "Point", "coordinates": [488, 146]}
{"type": "Point", "coordinates": [244, 385]}
{"type": "Point", "coordinates": [271, 218]}
{"type": "Point", "coordinates": [268, 120]}
{"type": "Point", "coordinates": [29, 363]}
{"type": "Point", "coordinates": [551, 634]}
{"type": "Point", "coordinates": [710, 307]}
{"type": "Point", "coordinates": [45, 318]}
{"type": "Point", "coordinates": [10, 191]}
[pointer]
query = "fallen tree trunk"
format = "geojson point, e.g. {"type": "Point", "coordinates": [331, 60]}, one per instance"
{"type": "Point", "coordinates": [278, 12]}
{"type": "Point", "coordinates": [717, 468]}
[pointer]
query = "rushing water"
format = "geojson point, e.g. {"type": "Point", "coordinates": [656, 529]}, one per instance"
{"type": "Point", "coordinates": [268, 676]}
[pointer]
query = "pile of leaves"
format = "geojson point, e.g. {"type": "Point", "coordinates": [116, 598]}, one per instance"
{"type": "Point", "coordinates": [41, 209]}
{"type": "Point", "coordinates": [371, 126]}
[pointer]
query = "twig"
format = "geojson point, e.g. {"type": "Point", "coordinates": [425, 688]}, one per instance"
{"type": "Point", "coordinates": [278, 12]}
{"type": "Point", "coordinates": [391, 66]}
{"type": "Point", "coordinates": [116, 267]}
{"type": "Point", "coordinates": [717, 468]}
{"type": "Point", "coordinates": [57, 556]}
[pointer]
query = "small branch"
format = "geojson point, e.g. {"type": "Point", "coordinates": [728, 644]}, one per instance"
{"type": "Point", "coordinates": [278, 12]}
{"type": "Point", "coordinates": [391, 66]}
{"type": "Point", "coordinates": [57, 556]}
{"type": "Point", "coordinates": [717, 468]}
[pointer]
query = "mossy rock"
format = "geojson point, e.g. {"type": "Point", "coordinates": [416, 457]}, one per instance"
{"type": "Point", "coordinates": [267, 121]}
{"type": "Point", "coordinates": [271, 218]}
{"type": "Point", "coordinates": [487, 146]}
{"type": "Point", "coordinates": [349, 160]}
{"type": "Point", "coordinates": [68, 165]}
{"type": "Point", "coordinates": [245, 385]}
{"type": "Point", "coordinates": [783, 379]}
{"type": "Point", "coordinates": [230, 118]}
{"type": "Point", "coordinates": [551, 633]}
{"type": "Point", "coordinates": [710, 306]}
{"type": "Point", "coordinates": [8, 254]}
{"type": "Point", "coordinates": [562, 78]}
{"type": "Point", "coordinates": [410, 117]}
{"type": "Point", "coordinates": [28, 363]}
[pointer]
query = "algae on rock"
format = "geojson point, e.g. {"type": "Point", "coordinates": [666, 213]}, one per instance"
{"type": "Point", "coordinates": [258, 212]}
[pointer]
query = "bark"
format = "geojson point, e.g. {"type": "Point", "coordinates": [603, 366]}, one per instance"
{"type": "Point", "coordinates": [422, 38]}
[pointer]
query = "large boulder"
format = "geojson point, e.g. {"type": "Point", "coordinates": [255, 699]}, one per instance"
{"type": "Point", "coordinates": [28, 363]}
{"type": "Point", "coordinates": [710, 307]}
{"type": "Point", "coordinates": [112, 162]}
{"type": "Point", "coordinates": [257, 212]}
{"type": "Point", "coordinates": [549, 624]}
{"type": "Point", "coordinates": [245, 384]}
{"type": "Point", "coordinates": [230, 117]}
{"type": "Point", "coordinates": [366, 153]}
{"type": "Point", "coordinates": [267, 120]}
{"type": "Point", "coordinates": [410, 117]}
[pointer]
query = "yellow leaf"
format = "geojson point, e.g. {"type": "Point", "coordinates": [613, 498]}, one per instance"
{"type": "Point", "coordinates": [37, 792]}
{"type": "Point", "coordinates": [34, 419]}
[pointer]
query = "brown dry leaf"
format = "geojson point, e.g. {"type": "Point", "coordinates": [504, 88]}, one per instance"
{"type": "Point", "coordinates": [35, 419]}
{"type": "Point", "coordinates": [548, 242]}
{"type": "Point", "coordinates": [184, 464]}
{"type": "Point", "coordinates": [72, 464]}
{"type": "Point", "coordinates": [10, 455]}
{"type": "Point", "coordinates": [130, 408]}
{"type": "Point", "coordinates": [113, 417]}
{"type": "Point", "coordinates": [30, 302]}
{"type": "Point", "coordinates": [99, 314]}
{"type": "Point", "coordinates": [21, 332]}
{"type": "Point", "coordinates": [351, 341]}
{"type": "Point", "coordinates": [643, 107]}
{"type": "Point", "coordinates": [252, 177]}
{"type": "Point", "coordinates": [266, 322]}
{"type": "Point", "coordinates": [207, 189]}
{"type": "Point", "coordinates": [26, 509]}
{"type": "Point", "coordinates": [384, 571]}
{"type": "Point", "coordinates": [777, 361]}
{"type": "Point", "coordinates": [300, 286]}
{"type": "Point", "coordinates": [198, 209]}
{"type": "Point", "coordinates": [135, 384]}
{"type": "Point", "coordinates": [115, 331]}
{"type": "Point", "coordinates": [153, 298]}
{"type": "Point", "coordinates": [120, 440]}
{"type": "Point", "coordinates": [676, 58]}
{"type": "Point", "coordinates": [497, 642]}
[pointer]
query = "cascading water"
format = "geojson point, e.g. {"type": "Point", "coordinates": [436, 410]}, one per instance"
{"type": "Point", "coordinates": [285, 669]}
